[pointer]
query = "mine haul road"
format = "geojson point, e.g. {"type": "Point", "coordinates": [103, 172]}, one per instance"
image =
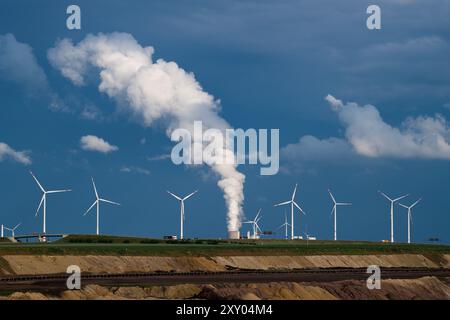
{"type": "Point", "coordinates": [58, 281]}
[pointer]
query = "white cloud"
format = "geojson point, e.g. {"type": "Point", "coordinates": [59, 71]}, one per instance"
{"type": "Point", "coordinates": [19, 156]}
{"type": "Point", "coordinates": [91, 112]}
{"type": "Point", "coordinates": [133, 169]}
{"type": "Point", "coordinates": [310, 153]}
{"type": "Point", "coordinates": [19, 65]}
{"type": "Point", "coordinates": [312, 149]}
{"type": "Point", "coordinates": [334, 103]}
{"type": "Point", "coordinates": [368, 136]}
{"type": "Point", "coordinates": [159, 157]}
{"type": "Point", "coordinates": [93, 143]}
{"type": "Point", "coordinates": [421, 137]}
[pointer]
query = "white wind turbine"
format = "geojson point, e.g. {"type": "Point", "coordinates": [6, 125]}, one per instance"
{"type": "Point", "coordinates": [44, 200]}
{"type": "Point", "coordinates": [292, 203]}
{"type": "Point", "coordinates": [334, 210]}
{"type": "Point", "coordinates": [392, 211]}
{"type": "Point", "coordinates": [410, 217]}
{"type": "Point", "coordinates": [97, 203]}
{"type": "Point", "coordinates": [182, 217]}
{"type": "Point", "coordinates": [285, 225]}
{"type": "Point", "coordinates": [13, 229]}
{"type": "Point", "coordinates": [255, 225]}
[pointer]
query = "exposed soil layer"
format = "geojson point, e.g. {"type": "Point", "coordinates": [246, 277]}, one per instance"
{"type": "Point", "coordinates": [422, 288]}
{"type": "Point", "coordinates": [45, 264]}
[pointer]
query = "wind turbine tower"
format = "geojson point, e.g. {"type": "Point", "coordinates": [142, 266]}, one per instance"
{"type": "Point", "coordinates": [292, 203]}
{"type": "Point", "coordinates": [182, 217]}
{"type": "Point", "coordinates": [44, 200]}
{"type": "Point", "coordinates": [392, 211]}
{"type": "Point", "coordinates": [255, 225]}
{"type": "Point", "coordinates": [285, 225]}
{"type": "Point", "coordinates": [410, 217]}
{"type": "Point", "coordinates": [13, 229]}
{"type": "Point", "coordinates": [334, 211]}
{"type": "Point", "coordinates": [97, 203]}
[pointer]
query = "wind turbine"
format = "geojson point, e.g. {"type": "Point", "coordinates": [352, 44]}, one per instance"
{"type": "Point", "coordinates": [44, 200]}
{"type": "Point", "coordinates": [255, 225]}
{"type": "Point", "coordinates": [335, 210]}
{"type": "Point", "coordinates": [97, 202]}
{"type": "Point", "coordinates": [292, 203]}
{"type": "Point", "coordinates": [182, 217]}
{"type": "Point", "coordinates": [410, 217]}
{"type": "Point", "coordinates": [285, 225]}
{"type": "Point", "coordinates": [13, 229]}
{"type": "Point", "coordinates": [392, 211]}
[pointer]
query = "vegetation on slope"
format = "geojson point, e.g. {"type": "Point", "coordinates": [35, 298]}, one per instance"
{"type": "Point", "coordinates": [112, 245]}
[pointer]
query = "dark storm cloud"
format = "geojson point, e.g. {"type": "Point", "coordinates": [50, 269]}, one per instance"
{"type": "Point", "coordinates": [408, 56]}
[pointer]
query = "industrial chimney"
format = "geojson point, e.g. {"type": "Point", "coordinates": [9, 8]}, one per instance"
{"type": "Point", "coordinates": [233, 235]}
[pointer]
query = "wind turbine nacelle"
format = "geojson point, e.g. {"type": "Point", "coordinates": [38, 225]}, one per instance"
{"type": "Point", "coordinates": [233, 235]}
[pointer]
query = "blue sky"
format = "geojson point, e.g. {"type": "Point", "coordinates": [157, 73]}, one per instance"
{"type": "Point", "coordinates": [271, 64]}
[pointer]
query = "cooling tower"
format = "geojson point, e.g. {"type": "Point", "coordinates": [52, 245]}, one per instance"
{"type": "Point", "coordinates": [233, 234]}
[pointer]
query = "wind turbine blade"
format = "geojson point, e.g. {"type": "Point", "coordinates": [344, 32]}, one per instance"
{"type": "Point", "coordinates": [95, 188]}
{"type": "Point", "coordinates": [343, 204]}
{"type": "Point", "coordinates": [257, 215]}
{"type": "Point", "coordinates": [293, 193]}
{"type": "Point", "coordinates": [283, 203]}
{"type": "Point", "coordinates": [332, 210]}
{"type": "Point", "coordinates": [177, 197]}
{"type": "Point", "coordinates": [59, 191]}
{"type": "Point", "coordinates": [403, 206]}
{"type": "Point", "coordinates": [109, 201]}
{"type": "Point", "coordinates": [399, 198]}
{"type": "Point", "coordinates": [40, 204]}
{"type": "Point", "coordinates": [40, 186]}
{"type": "Point", "coordinates": [190, 195]}
{"type": "Point", "coordinates": [331, 195]}
{"type": "Point", "coordinates": [17, 225]}
{"type": "Point", "coordinates": [384, 195]}
{"type": "Point", "coordinates": [416, 202]}
{"type": "Point", "coordinates": [95, 202]}
{"type": "Point", "coordinates": [298, 207]}
{"type": "Point", "coordinates": [281, 226]}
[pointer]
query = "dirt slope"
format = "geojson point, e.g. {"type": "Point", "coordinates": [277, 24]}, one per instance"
{"type": "Point", "coordinates": [423, 288]}
{"type": "Point", "coordinates": [31, 264]}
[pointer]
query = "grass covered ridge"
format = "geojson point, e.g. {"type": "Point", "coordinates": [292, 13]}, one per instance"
{"type": "Point", "coordinates": [113, 245]}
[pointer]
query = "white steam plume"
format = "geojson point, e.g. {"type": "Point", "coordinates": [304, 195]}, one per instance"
{"type": "Point", "coordinates": [151, 90]}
